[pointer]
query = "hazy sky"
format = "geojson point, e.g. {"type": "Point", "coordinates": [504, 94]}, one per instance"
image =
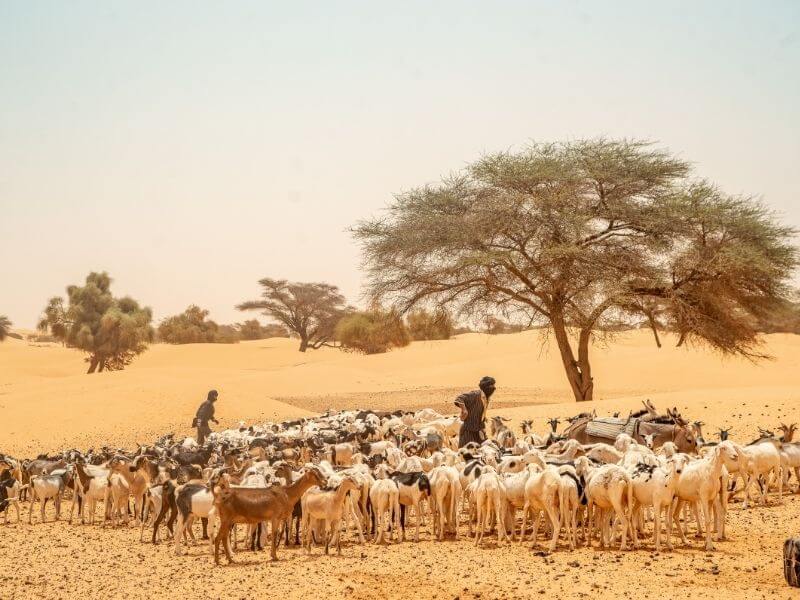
{"type": "Point", "coordinates": [191, 148]}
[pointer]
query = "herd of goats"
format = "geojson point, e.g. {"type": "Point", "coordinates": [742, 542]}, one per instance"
{"type": "Point", "coordinates": [363, 471]}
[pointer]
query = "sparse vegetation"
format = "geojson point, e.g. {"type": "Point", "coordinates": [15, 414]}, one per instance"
{"type": "Point", "coordinates": [193, 326]}
{"type": "Point", "coordinates": [252, 329]}
{"type": "Point", "coordinates": [372, 332]}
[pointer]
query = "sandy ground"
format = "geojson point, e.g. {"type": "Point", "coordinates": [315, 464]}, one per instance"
{"type": "Point", "coordinates": [47, 403]}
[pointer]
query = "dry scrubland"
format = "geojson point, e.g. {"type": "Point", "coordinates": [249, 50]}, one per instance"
{"type": "Point", "coordinates": [47, 403]}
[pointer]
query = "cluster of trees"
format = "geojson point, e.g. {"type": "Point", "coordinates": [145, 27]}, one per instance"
{"type": "Point", "coordinates": [317, 314]}
{"type": "Point", "coordinates": [193, 326]}
{"type": "Point", "coordinates": [580, 236]}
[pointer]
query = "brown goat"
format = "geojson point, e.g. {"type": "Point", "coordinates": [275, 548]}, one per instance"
{"type": "Point", "coordinates": [255, 505]}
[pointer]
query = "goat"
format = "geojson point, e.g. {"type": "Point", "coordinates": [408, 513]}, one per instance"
{"type": "Point", "coordinates": [445, 492]}
{"type": "Point", "coordinates": [490, 498]}
{"type": "Point", "coordinates": [699, 483]}
{"type": "Point", "coordinates": [608, 488]}
{"type": "Point", "coordinates": [384, 497]}
{"type": "Point", "coordinates": [46, 487]}
{"type": "Point", "coordinates": [254, 505]}
{"type": "Point", "coordinates": [327, 506]}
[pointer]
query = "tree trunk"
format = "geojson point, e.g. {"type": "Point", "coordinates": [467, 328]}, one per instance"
{"type": "Point", "coordinates": [303, 344]}
{"type": "Point", "coordinates": [681, 339]}
{"type": "Point", "coordinates": [93, 364]}
{"type": "Point", "coordinates": [579, 372]}
{"type": "Point", "coordinates": [654, 327]}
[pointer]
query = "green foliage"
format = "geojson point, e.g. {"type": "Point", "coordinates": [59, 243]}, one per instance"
{"type": "Point", "coordinates": [253, 330]}
{"type": "Point", "coordinates": [308, 310]}
{"type": "Point", "coordinates": [112, 331]}
{"type": "Point", "coordinates": [426, 325]}
{"type": "Point", "coordinates": [193, 327]}
{"type": "Point", "coordinates": [5, 327]}
{"type": "Point", "coordinates": [372, 332]}
{"type": "Point", "coordinates": [583, 235]}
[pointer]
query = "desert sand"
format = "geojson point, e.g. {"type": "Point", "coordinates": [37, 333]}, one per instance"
{"type": "Point", "coordinates": [48, 404]}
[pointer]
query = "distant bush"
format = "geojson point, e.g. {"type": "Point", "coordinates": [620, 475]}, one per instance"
{"type": "Point", "coordinates": [494, 325]}
{"type": "Point", "coordinates": [40, 338]}
{"type": "Point", "coordinates": [253, 330]}
{"type": "Point", "coordinates": [424, 325]}
{"type": "Point", "coordinates": [15, 335]}
{"type": "Point", "coordinates": [785, 318]}
{"type": "Point", "coordinates": [372, 332]}
{"type": "Point", "coordinates": [193, 327]}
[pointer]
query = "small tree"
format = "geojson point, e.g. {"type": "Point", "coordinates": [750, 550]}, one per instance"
{"type": "Point", "coordinates": [426, 325]}
{"type": "Point", "coordinates": [574, 235]}
{"type": "Point", "coordinates": [5, 327]}
{"type": "Point", "coordinates": [309, 310]}
{"type": "Point", "coordinates": [372, 332]}
{"type": "Point", "coordinates": [55, 319]}
{"type": "Point", "coordinates": [112, 331]}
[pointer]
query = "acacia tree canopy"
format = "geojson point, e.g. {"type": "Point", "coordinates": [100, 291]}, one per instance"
{"type": "Point", "coordinates": [309, 310]}
{"type": "Point", "coordinates": [579, 234]}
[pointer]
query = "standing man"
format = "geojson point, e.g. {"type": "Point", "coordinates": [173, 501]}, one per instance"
{"type": "Point", "coordinates": [473, 407]}
{"type": "Point", "coordinates": [205, 414]}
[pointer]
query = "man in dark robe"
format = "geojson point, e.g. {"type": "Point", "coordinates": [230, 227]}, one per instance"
{"type": "Point", "coordinates": [205, 414]}
{"type": "Point", "coordinates": [473, 407]}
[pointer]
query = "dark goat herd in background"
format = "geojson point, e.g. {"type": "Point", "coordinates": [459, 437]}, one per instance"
{"type": "Point", "coordinates": [599, 479]}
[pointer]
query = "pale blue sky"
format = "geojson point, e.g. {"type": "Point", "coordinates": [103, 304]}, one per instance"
{"type": "Point", "coordinates": [190, 148]}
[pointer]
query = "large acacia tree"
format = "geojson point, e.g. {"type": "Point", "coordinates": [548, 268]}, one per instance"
{"type": "Point", "coordinates": [309, 310]}
{"type": "Point", "coordinates": [578, 236]}
{"type": "Point", "coordinates": [112, 331]}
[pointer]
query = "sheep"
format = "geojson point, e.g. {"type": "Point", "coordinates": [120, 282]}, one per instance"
{"type": "Point", "coordinates": [699, 483]}
{"type": "Point", "coordinates": [490, 498]}
{"type": "Point", "coordinates": [327, 506]}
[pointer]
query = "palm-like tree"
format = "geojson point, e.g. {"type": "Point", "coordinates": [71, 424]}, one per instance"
{"type": "Point", "coordinates": [5, 327]}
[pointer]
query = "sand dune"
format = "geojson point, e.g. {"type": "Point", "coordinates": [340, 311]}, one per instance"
{"type": "Point", "coordinates": [49, 403]}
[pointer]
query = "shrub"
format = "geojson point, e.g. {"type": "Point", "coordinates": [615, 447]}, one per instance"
{"type": "Point", "coordinates": [253, 330]}
{"type": "Point", "coordinates": [193, 327]}
{"type": "Point", "coordinates": [372, 332]}
{"type": "Point", "coordinates": [424, 325]}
